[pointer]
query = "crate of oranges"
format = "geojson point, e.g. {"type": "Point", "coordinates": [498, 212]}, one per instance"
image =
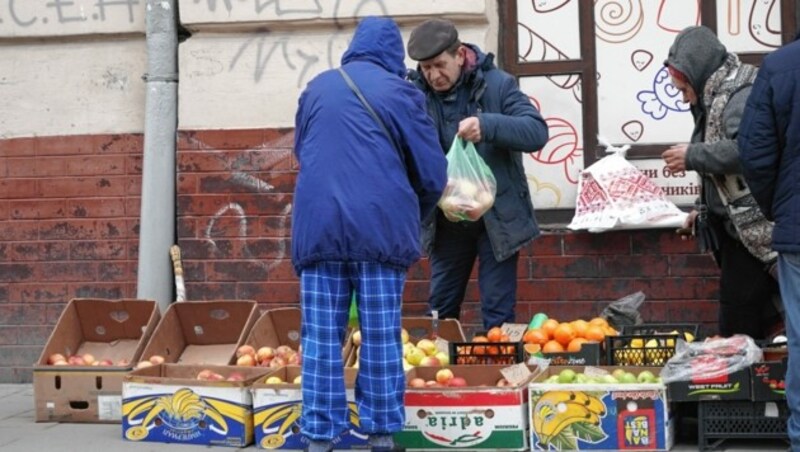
{"type": "Point", "coordinates": [577, 342]}
{"type": "Point", "coordinates": [493, 347]}
{"type": "Point", "coordinates": [648, 344]}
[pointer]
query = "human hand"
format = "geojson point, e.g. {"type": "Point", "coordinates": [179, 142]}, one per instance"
{"type": "Point", "coordinates": [470, 129]}
{"type": "Point", "coordinates": [687, 230]}
{"type": "Point", "coordinates": [675, 157]}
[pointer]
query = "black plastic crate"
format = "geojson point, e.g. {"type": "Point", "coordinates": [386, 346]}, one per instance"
{"type": "Point", "coordinates": [729, 419]}
{"type": "Point", "coordinates": [474, 353]}
{"type": "Point", "coordinates": [649, 344]}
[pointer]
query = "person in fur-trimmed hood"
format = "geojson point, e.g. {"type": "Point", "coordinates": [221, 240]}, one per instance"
{"type": "Point", "coordinates": [727, 221]}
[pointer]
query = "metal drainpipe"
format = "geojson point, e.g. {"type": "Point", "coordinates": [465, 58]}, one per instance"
{"type": "Point", "coordinates": [157, 219]}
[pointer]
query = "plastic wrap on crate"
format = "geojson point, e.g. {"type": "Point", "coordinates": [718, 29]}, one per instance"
{"type": "Point", "coordinates": [710, 359]}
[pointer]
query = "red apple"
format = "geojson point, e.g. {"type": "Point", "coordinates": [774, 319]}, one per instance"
{"type": "Point", "coordinates": [76, 360]}
{"type": "Point", "coordinates": [277, 362]}
{"type": "Point", "coordinates": [123, 362]}
{"type": "Point", "coordinates": [294, 359]}
{"type": "Point", "coordinates": [245, 350]}
{"type": "Point", "coordinates": [457, 382]}
{"type": "Point", "coordinates": [265, 354]}
{"type": "Point", "coordinates": [213, 376]}
{"type": "Point", "coordinates": [143, 364]}
{"type": "Point", "coordinates": [246, 360]}
{"type": "Point", "coordinates": [55, 357]}
{"type": "Point", "coordinates": [88, 358]}
{"type": "Point", "coordinates": [235, 376]}
{"type": "Point", "coordinates": [502, 383]}
{"type": "Point", "coordinates": [416, 383]}
{"type": "Point", "coordinates": [157, 359]}
{"type": "Point", "coordinates": [444, 376]}
{"type": "Point", "coordinates": [431, 384]}
{"type": "Point", "coordinates": [105, 362]}
{"type": "Point", "coordinates": [283, 350]}
{"type": "Point", "coordinates": [430, 361]}
{"type": "Point", "coordinates": [204, 374]}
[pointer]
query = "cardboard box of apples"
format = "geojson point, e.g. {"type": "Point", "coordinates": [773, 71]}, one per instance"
{"type": "Point", "coordinates": [78, 377]}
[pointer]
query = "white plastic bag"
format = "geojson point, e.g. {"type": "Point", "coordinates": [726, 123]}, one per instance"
{"type": "Point", "coordinates": [614, 194]}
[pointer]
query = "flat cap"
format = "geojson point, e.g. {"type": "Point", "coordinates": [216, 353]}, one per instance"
{"type": "Point", "coordinates": [431, 38]}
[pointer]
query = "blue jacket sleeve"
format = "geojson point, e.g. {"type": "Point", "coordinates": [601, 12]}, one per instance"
{"type": "Point", "coordinates": [425, 161]}
{"type": "Point", "coordinates": [519, 127]}
{"type": "Point", "coordinates": [759, 150]}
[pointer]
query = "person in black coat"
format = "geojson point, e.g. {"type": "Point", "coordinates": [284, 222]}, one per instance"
{"type": "Point", "coordinates": [469, 97]}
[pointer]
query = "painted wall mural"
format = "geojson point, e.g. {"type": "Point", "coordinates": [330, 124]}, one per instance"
{"type": "Point", "coordinates": [636, 100]}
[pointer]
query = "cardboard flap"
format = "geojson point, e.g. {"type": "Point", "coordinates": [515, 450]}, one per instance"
{"type": "Point", "coordinates": [113, 319]}
{"type": "Point", "coordinates": [276, 327]}
{"type": "Point", "coordinates": [202, 331]}
{"type": "Point", "coordinates": [115, 351]}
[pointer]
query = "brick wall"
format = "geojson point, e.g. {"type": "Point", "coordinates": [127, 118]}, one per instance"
{"type": "Point", "coordinates": [69, 211]}
{"type": "Point", "coordinates": [235, 190]}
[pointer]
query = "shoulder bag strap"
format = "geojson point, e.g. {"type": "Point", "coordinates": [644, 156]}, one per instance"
{"type": "Point", "coordinates": [371, 111]}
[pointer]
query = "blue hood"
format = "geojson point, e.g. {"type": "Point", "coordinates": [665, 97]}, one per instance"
{"type": "Point", "coordinates": [378, 40]}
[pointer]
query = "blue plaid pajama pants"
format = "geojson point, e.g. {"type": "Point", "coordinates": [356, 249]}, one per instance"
{"type": "Point", "coordinates": [325, 291]}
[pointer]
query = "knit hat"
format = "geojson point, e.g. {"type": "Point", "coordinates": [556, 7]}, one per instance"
{"type": "Point", "coordinates": [431, 38]}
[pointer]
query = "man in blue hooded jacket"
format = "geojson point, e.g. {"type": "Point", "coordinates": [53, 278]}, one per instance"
{"type": "Point", "coordinates": [361, 193]}
{"type": "Point", "coordinates": [769, 149]}
{"type": "Point", "coordinates": [468, 96]}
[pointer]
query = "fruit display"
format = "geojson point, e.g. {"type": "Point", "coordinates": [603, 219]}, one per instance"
{"type": "Point", "coordinates": [86, 359]}
{"type": "Point", "coordinates": [447, 378]}
{"type": "Point", "coordinates": [492, 348]}
{"type": "Point", "coordinates": [647, 345]}
{"type": "Point", "coordinates": [464, 199]}
{"type": "Point", "coordinates": [282, 355]}
{"type": "Point", "coordinates": [616, 376]}
{"type": "Point", "coordinates": [424, 353]}
{"type": "Point", "coordinates": [547, 335]}
{"type": "Point", "coordinates": [151, 361]}
{"type": "Point", "coordinates": [209, 375]}
{"type": "Point", "coordinates": [275, 380]}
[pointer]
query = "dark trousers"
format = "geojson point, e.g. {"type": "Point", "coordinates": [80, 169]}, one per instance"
{"type": "Point", "coordinates": [746, 291]}
{"type": "Point", "coordinates": [455, 248]}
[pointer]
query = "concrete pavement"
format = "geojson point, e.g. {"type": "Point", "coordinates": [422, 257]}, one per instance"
{"type": "Point", "coordinates": [20, 433]}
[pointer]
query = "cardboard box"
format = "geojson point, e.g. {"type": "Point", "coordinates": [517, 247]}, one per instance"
{"type": "Point", "coordinates": [599, 416]}
{"type": "Point", "coordinates": [116, 330]}
{"type": "Point", "coordinates": [474, 417]}
{"type": "Point", "coordinates": [277, 409]}
{"type": "Point", "coordinates": [202, 332]}
{"type": "Point", "coordinates": [769, 380]}
{"type": "Point", "coordinates": [168, 404]}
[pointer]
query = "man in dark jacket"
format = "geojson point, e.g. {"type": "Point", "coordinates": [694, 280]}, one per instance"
{"type": "Point", "coordinates": [361, 193]}
{"type": "Point", "coordinates": [769, 143]}
{"type": "Point", "coordinates": [467, 96]}
{"type": "Point", "coordinates": [716, 84]}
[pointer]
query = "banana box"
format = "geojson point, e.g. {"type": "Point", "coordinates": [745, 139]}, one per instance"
{"type": "Point", "coordinates": [278, 403]}
{"type": "Point", "coordinates": [599, 408]}
{"type": "Point", "coordinates": [475, 414]}
{"type": "Point", "coordinates": [190, 404]}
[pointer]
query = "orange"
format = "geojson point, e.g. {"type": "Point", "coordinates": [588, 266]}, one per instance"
{"type": "Point", "coordinates": [599, 321]}
{"type": "Point", "coordinates": [610, 331]}
{"type": "Point", "coordinates": [536, 336]}
{"type": "Point", "coordinates": [480, 338]}
{"type": "Point", "coordinates": [495, 334]}
{"type": "Point", "coordinates": [564, 333]}
{"type": "Point", "coordinates": [580, 327]}
{"type": "Point", "coordinates": [533, 349]}
{"type": "Point", "coordinates": [549, 326]}
{"type": "Point", "coordinates": [595, 333]}
{"type": "Point", "coordinates": [575, 344]}
{"type": "Point", "coordinates": [504, 338]}
{"type": "Point", "coordinates": [552, 347]}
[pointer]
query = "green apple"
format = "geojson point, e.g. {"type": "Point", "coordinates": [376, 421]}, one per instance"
{"type": "Point", "coordinates": [609, 379]}
{"type": "Point", "coordinates": [646, 376]}
{"type": "Point", "coordinates": [618, 373]}
{"type": "Point", "coordinates": [627, 377]}
{"type": "Point", "coordinates": [566, 376]}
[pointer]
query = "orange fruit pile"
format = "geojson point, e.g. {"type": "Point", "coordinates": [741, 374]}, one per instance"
{"type": "Point", "coordinates": [555, 336]}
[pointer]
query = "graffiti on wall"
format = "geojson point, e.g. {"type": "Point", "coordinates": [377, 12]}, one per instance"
{"type": "Point", "coordinates": [300, 9]}
{"type": "Point", "coordinates": [20, 13]}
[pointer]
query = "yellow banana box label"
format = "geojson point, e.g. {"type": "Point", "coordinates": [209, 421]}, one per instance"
{"type": "Point", "coordinates": [184, 414]}
{"type": "Point", "coordinates": [276, 416]}
{"type": "Point", "coordinates": [599, 416]}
